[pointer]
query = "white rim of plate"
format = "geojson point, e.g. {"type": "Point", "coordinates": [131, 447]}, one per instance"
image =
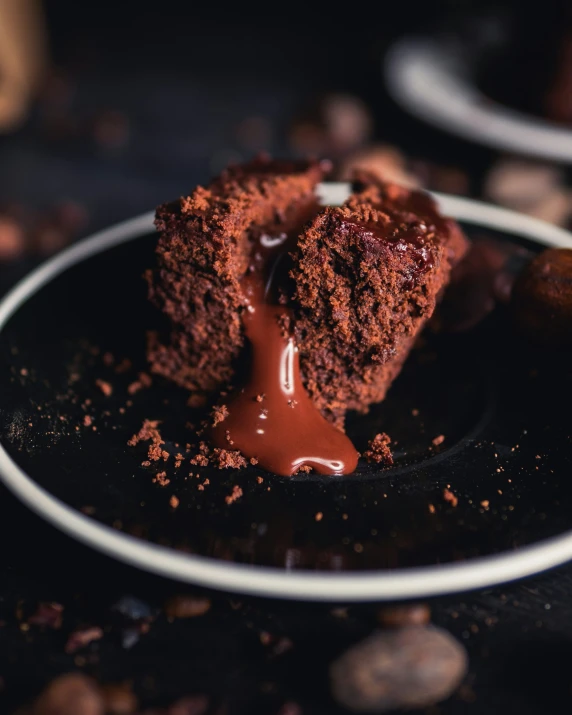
{"type": "Point", "coordinates": [417, 582]}
{"type": "Point", "coordinates": [426, 78]}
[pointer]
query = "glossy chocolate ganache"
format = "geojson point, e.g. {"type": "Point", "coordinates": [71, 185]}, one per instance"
{"type": "Point", "coordinates": [307, 311]}
{"type": "Point", "coordinates": [272, 418]}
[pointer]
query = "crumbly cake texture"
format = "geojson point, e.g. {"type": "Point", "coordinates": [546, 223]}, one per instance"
{"type": "Point", "coordinates": [368, 275]}
{"type": "Point", "coordinates": [365, 279]}
{"type": "Point", "coordinates": [202, 254]}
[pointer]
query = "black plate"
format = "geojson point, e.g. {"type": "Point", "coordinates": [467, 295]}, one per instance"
{"type": "Point", "coordinates": [500, 404]}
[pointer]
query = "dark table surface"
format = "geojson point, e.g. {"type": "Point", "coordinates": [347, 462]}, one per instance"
{"type": "Point", "coordinates": [181, 127]}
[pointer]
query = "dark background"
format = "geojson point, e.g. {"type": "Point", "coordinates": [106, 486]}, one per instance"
{"type": "Point", "coordinates": [143, 102]}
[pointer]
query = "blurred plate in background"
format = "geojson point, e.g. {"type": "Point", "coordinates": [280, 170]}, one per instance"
{"type": "Point", "coordinates": [434, 79]}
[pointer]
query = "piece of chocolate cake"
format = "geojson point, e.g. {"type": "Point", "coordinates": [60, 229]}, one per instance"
{"type": "Point", "coordinates": [368, 275]}
{"type": "Point", "coordinates": [329, 300]}
{"type": "Point", "coordinates": [203, 253]}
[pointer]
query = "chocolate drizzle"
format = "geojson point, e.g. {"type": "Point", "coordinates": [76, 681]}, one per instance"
{"type": "Point", "coordinates": [272, 418]}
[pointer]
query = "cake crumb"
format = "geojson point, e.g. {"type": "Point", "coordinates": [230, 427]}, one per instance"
{"type": "Point", "coordinates": [451, 498]}
{"type": "Point", "coordinates": [105, 387]}
{"type": "Point", "coordinates": [431, 508]}
{"type": "Point", "coordinates": [178, 460]}
{"type": "Point", "coordinates": [219, 414]}
{"type": "Point", "coordinates": [143, 381]}
{"type": "Point", "coordinates": [202, 458]}
{"type": "Point", "coordinates": [319, 516]}
{"type": "Point", "coordinates": [379, 451]}
{"type": "Point", "coordinates": [154, 453]}
{"type": "Point", "coordinates": [415, 412]}
{"type": "Point", "coordinates": [161, 479]}
{"type": "Point", "coordinates": [87, 421]}
{"type": "Point", "coordinates": [304, 469]}
{"type": "Point", "coordinates": [438, 440]}
{"type": "Point", "coordinates": [259, 480]}
{"type": "Point", "coordinates": [147, 432]}
{"type": "Point", "coordinates": [186, 606]}
{"type": "Point", "coordinates": [197, 400]}
{"type": "Point", "coordinates": [123, 366]}
{"type": "Point", "coordinates": [174, 502]}
{"type": "Point", "coordinates": [227, 458]}
{"type": "Point", "coordinates": [234, 496]}
{"type": "Point", "coordinates": [260, 398]}
{"type": "Point", "coordinates": [485, 503]}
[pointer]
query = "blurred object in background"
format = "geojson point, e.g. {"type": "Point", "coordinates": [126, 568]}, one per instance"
{"type": "Point", "coordinates": [332, 126]}
{"type": "Point", "coordinates": [36, 234]}
{"type": "Point", "coordinates": [22, 58]}
{"type": "Point", "coordinates": [385, 162]}
{"type": "Point", "coordinates": [534, 188]}
{"type": "Point", "coordinates": [532, 69]}
{"type": "Point", "coordinates": [438, 177]}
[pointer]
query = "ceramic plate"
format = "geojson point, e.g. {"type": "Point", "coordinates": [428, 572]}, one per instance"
{"type": "Point", "coordinates": [476, 412]}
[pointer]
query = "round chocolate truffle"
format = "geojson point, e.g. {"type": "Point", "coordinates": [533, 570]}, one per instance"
{"type": "Point", "coordinates": [542, 298]}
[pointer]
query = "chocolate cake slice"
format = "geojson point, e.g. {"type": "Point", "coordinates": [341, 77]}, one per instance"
{"type": "Point", "coordinates": [368, 275]}
{"type": "Point", "coordinates": [203, 253]}
{"type": "Point", "coordinates": [328, 300]}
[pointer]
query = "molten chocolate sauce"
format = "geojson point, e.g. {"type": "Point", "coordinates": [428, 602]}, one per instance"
{"type": "Point", "coordinates": [272, 418]}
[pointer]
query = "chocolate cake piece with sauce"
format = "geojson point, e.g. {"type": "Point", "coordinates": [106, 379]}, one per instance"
{"type": "Point", "coordinates": [204, 250]}
{"type": "Point", "coordinates": [329, 301]}
{"type": "Point", "coordinates": [368, 275]}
